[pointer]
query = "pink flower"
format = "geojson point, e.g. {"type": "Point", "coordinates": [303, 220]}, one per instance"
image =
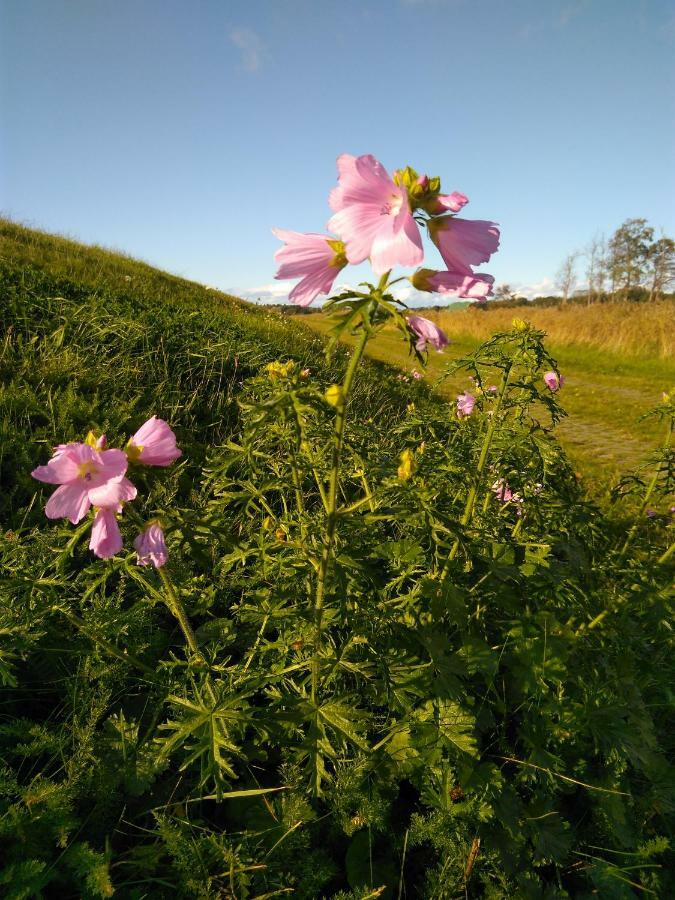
{"type": "Point", "coordinates": [106, 539]}
{"type": "Point", "coordinates": [465, 404]}
{"type": "Point", "coordinates": [553, 381]}
{"type": "Point", "coordinates": [151, 547]}
{"type": "Point", "coordinates": [372, 215]}
{"type": "Point", "coordinates": [476, 287]}
{"type": "Point", "coordinates": [449, 202]}
{"type": "Point", "coordinates": [86, 476]}
{"type": "Point", "coordinates": [417, 375]}
{"type": "Point", "coordinates": [504, 493]}
{"type": "Point", "coordinates": [316, 258]}
{"type": "Point", "coordinates": [154, 444]}
{"type": "Point", "coordinates": [464, 242]}
{"type": "Point", "coordinates": [427, 332]}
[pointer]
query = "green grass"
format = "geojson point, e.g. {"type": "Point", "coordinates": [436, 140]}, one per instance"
{"type": "Point", "coordinates": [605, 396]}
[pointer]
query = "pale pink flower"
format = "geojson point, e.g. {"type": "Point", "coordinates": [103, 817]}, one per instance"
{"type": "Point", "coordinates": [553, 381]}
{"type": "Point", "coordinates": [427, 333]}
{"type": "Point", "coordinates": [449, 203]}
{"type": "Point", "coordinates": [464, 242]}
{"type": "Point", "coordinates": [372, 215]}
{"type": "Point", "coordinates": [417, 375]}
{"type": "Point", "coordinates": [106, 539]}
{"type": "Point", "coordinates": [504, 493]}
{"type": "Point", "coordinates": [154, 444]}
{"type": "Point", "coordinates": [86, 476]}
{"type": "Point", "coordinates": [476, 286]}
{"type": "Point", "coordinates": [315, 258]}
{"type": "Point", "coordinates": [305, 373]}
{"type": "Point", "coordinates": [151, 547]}
{"type": "Point", "coordinates": [465, 404]}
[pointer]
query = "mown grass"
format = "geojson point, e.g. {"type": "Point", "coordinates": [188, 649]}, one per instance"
{"type": "Point", "coordinates": [606, 393]}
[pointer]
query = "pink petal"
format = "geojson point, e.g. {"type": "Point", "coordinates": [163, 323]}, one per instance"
{"type": "Point", "coordinates": [61, 469]}
{"type": "Point", "coordinates": [70, 501]}
{"type": "Point", "coordinates": [357, 225]}
{"type": "Point", "coordinates": [113, 493]}
{"type": "Point", "coordinates": [110, 464]}
{"type": "Point", "coordinates": [402, 247]}
{"type": "Point", "coordinates": [106, 539]}
{"type": "Point", "coordinates": [310, 287]}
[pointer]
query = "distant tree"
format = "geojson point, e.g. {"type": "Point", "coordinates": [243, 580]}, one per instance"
{"type": "Point", "coordinates": [504, 292]}
{"type": "Point", "coordinates": [629, 255]}
{"type": "Point", "coordinates": [661, 266]}
{"type": "Point", "coordinates": [567, 276]}
{"type": "Point", "coordinates": [594, 254]}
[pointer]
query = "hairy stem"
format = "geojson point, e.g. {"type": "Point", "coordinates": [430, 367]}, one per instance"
{"type": "Point", "coordinates": [648, 493]}
{"type": "Point", "coordinates": [470, 504]}
{"type": "Point", "coordinates": [331, 508]}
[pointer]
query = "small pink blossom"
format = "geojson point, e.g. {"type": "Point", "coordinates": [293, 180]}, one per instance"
{"type": "Point", "coordinates": [314, 258]}
{"type": "Point", "coordinates": [449, 203]}
{"type": "Point", "coordinates": [106, 539]}
{"type": "Point", "coordinates": [553, 381]}
{"type": "Point", "coordinates": [86, 476]}
{"type": "Point", "coordinates": [305, 373]}
{"type": "Point", "coordinates": [465, 404]}
{"type": "Point", "coordinates": [417, 375]}
{"type": "Point", "coordinates": [372, 215]}
{"type": "Point", "coordinates": [154, 444]}
{"type": "Point", "coordinates": [427, 333]}
{"type": "Point", "coordinates": [504, 493]}
{"type": "Point", "coordinates": [472, 287]}
{"type": "Point", "coordinates": [464, 243]}
{"type": "Point", "coordinates": [151, 547]}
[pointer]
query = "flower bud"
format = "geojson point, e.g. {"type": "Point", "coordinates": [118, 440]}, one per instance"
{"type": "Point", "coordinates": [335, 396]}
{"type": "Point", "coordinates": [407, 464]}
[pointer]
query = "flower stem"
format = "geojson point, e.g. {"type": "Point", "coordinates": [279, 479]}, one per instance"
{"type": "Point", "coordinates": [470, 504]}
{"type": "Point", "coordinates": [178, 610]}
{"type": "Point", "coordinates": [331, 508]}
{"type": "Point", "coordinates": [645, 503]}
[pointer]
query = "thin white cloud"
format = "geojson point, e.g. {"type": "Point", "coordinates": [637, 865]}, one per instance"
{"type": "Point", "coordinates": [252, 48]}
{"type": "Point", "coordinates": [544, 288]}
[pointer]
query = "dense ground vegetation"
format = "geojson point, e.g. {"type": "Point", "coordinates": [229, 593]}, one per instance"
{"type": "Point", "coordinates": [480, 705]}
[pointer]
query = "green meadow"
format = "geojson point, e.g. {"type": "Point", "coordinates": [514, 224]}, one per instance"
{"type": "Point", "coordinates": [606, 393]}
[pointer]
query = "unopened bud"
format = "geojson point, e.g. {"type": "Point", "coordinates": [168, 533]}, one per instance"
{"type": "Point", "coordinates": [335, 395]}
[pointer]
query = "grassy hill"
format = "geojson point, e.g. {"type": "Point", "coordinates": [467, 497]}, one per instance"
{"type": "Point", "coordinates": [95, 339]}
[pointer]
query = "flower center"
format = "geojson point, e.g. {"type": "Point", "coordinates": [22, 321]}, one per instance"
{"type": "Point", "coordinates": [393, 206]}
{"type": "Point", "coordinates": [85, 470]}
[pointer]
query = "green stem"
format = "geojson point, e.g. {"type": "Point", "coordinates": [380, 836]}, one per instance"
{"type": "Point", "coordinates": [645, 503]}
{"type": "Point", "coordinates": [122, 655]}
{"type": "Point", "coordinates": [331, 509]}
{"type": "Point", "coordinates": [178, 610]}
{"type": "Point", "coordinates": [666, 556]}
{"type": "Point", "coordinates": [480, 467]}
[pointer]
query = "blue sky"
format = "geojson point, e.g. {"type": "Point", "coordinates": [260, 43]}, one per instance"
{"type": "Point", "coordinates": [182, 131]}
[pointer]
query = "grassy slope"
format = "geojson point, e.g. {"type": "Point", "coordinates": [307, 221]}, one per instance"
{"type": "Point", "coordinates": [97, 339]}
{"type": "Point", "coordinates": [605, 395]}
{"type": "Point", "coordinates": [94, 339]}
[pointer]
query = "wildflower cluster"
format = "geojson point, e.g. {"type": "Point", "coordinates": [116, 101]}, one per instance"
{"type": "Point", "coordinates": [89, 474]}
{"type": "Point", "coordinates": [378, 217]}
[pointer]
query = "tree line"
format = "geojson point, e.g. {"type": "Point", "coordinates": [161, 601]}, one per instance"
{"type": "Point", "coordinates": [633, 264]}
